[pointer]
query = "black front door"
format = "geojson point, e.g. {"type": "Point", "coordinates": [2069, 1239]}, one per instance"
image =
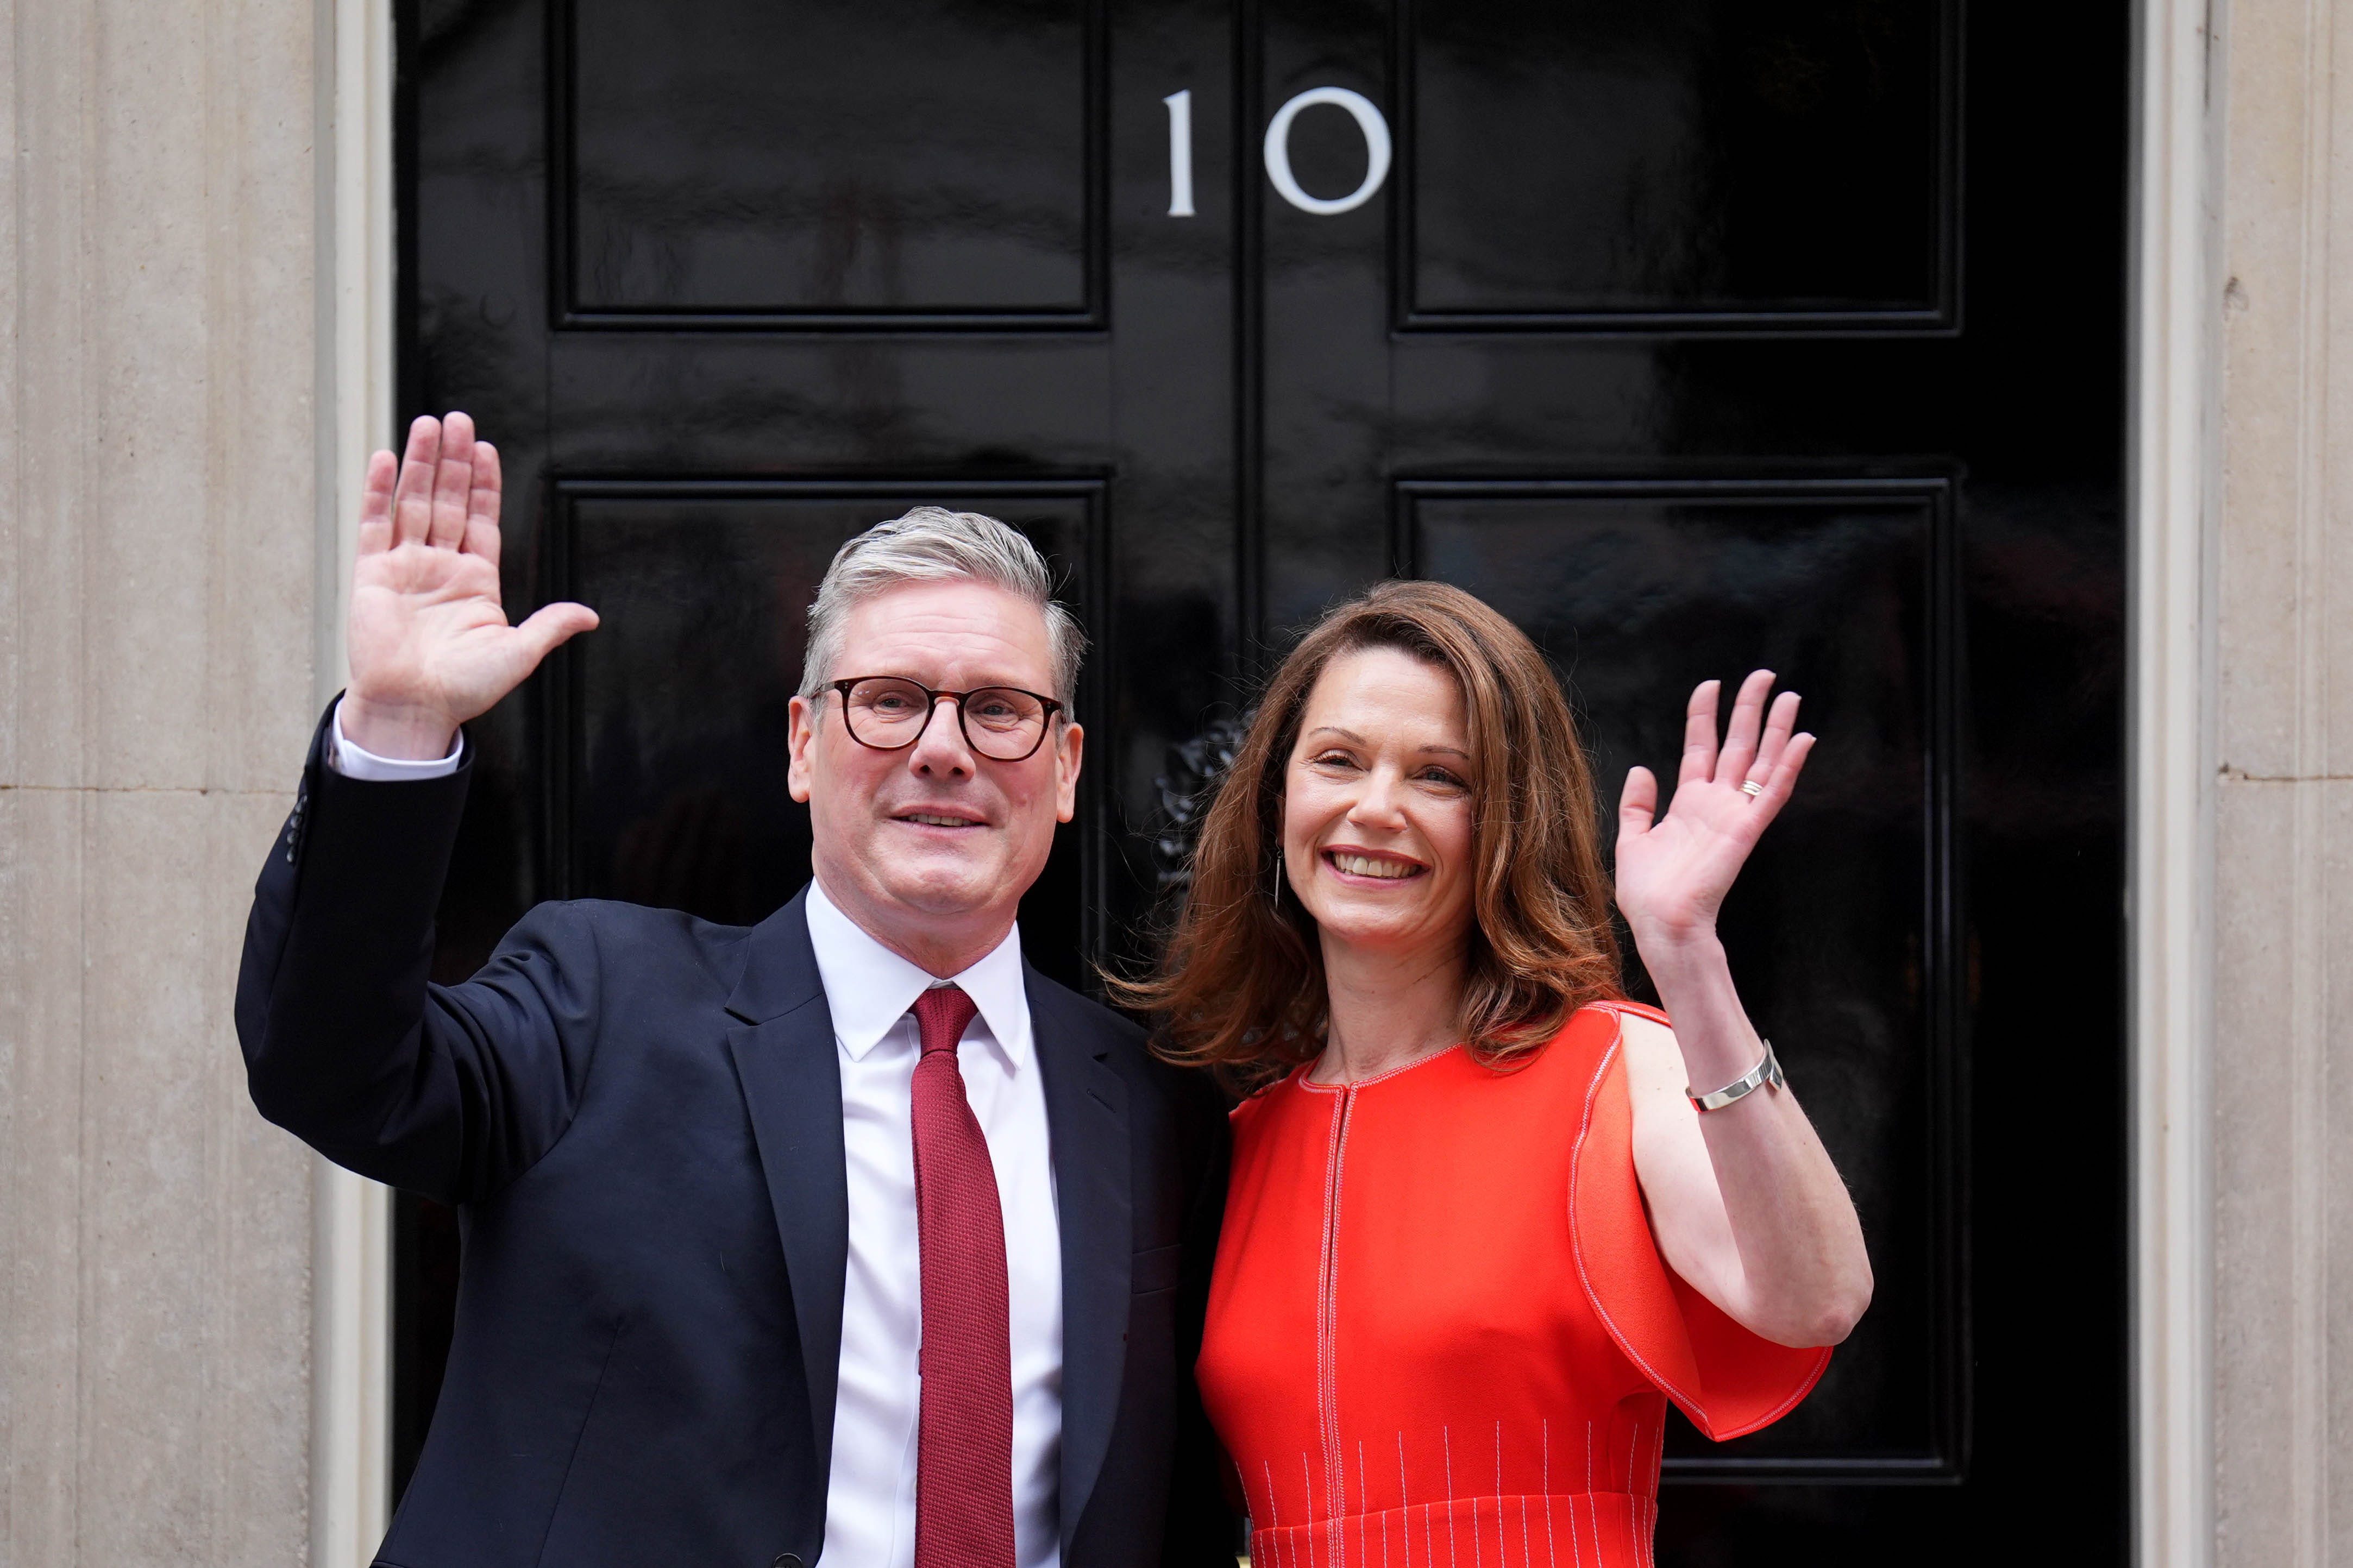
{"type": "Point", "coordinates": [1694, 334]}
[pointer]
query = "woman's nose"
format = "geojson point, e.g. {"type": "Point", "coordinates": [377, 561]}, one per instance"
{"type": "Point", "coordinates": [1381, 800]}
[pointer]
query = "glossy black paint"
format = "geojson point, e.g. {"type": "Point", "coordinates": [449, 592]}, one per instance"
{"type": "Point", "coordinates": [1693, 335]}
{"type": "Point", "coordinates": [1640, 588]}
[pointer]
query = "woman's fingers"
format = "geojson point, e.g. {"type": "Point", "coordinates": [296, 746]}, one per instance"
{"type": "Point", "coordinates": [1638, 803]}
{"type": "Point", "coordinates": [1741, 735]}
{"type": "Point", "coordinates": [453, 482]}
{"type": "Point", "coordinates": [412, 498]}
{"type": "Point", "coordinates": [1780, 721]}
{"type": "Point", "coordinates": [1784, 780]}
{"type": "Point", "coordinates": [1699, 735]}
{"type": "Point", "coordinates": [482, 504]}
{"type": "Point", "coordinates": [375, 503]}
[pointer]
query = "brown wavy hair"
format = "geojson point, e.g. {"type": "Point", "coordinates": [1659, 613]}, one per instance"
{"type": "Point", "coordinates": [1241, 986]}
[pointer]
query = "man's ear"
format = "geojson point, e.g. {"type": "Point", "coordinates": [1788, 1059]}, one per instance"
{"type": "Point", "coordinates": [1068, 747]}
{"type": "Point", "coordinates": [802, 731]}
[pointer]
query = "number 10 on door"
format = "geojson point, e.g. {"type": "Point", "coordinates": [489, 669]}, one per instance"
{"type": "Point", "coordinates": [1277, 151]}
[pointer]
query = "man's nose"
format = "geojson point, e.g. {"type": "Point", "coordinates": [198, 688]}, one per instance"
{"type": "Point", "coordinates": [941, 749]}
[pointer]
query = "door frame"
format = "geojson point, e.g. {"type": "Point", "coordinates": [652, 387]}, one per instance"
{"type": "Point", "coordinates": [353, 282]}
{"type": "Point", "coordinates": [2172, 470]}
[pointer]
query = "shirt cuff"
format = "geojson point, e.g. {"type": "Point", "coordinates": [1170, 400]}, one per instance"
{"type": "Point", "coordinates": [353, 762]}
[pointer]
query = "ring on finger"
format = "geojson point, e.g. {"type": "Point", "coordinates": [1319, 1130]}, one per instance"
{"type": "Point", "coordinates": [1751, 788]}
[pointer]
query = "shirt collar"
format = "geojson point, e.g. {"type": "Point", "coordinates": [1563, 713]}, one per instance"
{"type": "Point", "coordinates": [868, 988]}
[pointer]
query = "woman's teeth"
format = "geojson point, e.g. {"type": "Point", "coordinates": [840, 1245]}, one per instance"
{"type": "Point", "coordinates": [1374, 866]}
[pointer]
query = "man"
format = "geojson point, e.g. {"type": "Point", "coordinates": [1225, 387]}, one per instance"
{"type": "Point", "coordinates": [844, 1237]}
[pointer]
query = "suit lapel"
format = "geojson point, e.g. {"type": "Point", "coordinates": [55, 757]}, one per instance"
{"type": "Point", "coordinates": [790, 1071]}
{"type": "Point", "coordinates": [1086, 1110]}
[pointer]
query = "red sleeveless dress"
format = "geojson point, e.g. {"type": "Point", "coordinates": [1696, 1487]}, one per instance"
{"type": "Point", "coordinates": [1440, 1332]}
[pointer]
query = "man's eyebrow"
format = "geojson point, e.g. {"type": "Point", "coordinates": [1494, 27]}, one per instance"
{"type": "Point", "coordinates": [1354, 739]}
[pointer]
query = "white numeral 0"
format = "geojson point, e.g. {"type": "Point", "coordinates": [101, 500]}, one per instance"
{"type": "Point", "coordinates": [1376, 150]}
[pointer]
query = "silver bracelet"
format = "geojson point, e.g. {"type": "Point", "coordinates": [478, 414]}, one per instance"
{"type": "Point", "coordinates": [1755, 1077]}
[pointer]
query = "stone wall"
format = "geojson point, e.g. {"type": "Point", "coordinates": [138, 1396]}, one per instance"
{"type": "Point", "coordinates": [161, 215]}
{"type": "Point", "coordinates": [2282, 1054]}
{"type": "Point", "coordinates": [158, 455]}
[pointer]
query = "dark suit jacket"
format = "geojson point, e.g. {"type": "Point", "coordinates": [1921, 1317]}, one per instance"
{"type": "Point", "coordinates": [639, 1118]}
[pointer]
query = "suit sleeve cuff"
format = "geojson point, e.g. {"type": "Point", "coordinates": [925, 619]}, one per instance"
{"type": "Point", "coordinates": [353, 762]}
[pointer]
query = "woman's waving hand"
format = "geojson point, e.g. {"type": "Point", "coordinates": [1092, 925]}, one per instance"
{"type": "Point", "coordinates": [1744, 1200]}
{"type": "Point", "coordinates": [1674, 870]}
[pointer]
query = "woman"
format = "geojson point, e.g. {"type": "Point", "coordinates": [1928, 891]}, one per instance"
{"type": "Point", "coordinates": [1477, 1235]}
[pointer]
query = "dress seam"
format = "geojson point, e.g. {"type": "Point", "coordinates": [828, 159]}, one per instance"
{"type": "Point", "coordinates": [1327, 1417]}
{"type": "Point", "coordinates": [1303, 1082]}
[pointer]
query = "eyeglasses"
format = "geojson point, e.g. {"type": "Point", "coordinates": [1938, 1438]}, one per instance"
{"type": "Point", "coordinates": [889, 713]}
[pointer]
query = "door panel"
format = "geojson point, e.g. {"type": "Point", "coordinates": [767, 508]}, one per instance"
{"type": "Point", "coordinates": [1696, 163]}
{"type": "Point", "coordinates": [1691, 335]}
{"type": "Point", "coordinates": [673, 791]}
{"type": "Point", "coordinates": [900, 165]}
{"type": "Point", "coordinates": [1638, 589]}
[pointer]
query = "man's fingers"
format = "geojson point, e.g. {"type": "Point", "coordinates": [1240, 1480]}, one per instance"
{"type": "Point", "coordinates": [375, 503]}
{"type": "Point", "coordinates": [1638, 803]}
{"type": "Point", "coordinates": [482, 505]}
{"type": "Point", "coordinates": [1741, 734]}
{"type": "Point", "coordinates": [551, 625]}
{"type": "Point", "coordinates": [1699, 735]}
{"type": "Point", "coordinates": [453, 482]}
{"type": "Point", "coordinates": [412, 498]}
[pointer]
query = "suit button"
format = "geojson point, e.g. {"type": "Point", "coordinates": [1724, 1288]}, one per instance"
{"type": "Point", "coordinates": [787, 1560]}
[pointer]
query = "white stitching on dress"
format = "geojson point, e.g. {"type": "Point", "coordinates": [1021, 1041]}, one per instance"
{"type": "Point", "coordinates": [1552, 1544]}
{"type": "Point", "coordinates": [1307, 1475]}
{"type": "Point", "coordinates": [1273, 1515]}
{"type": "Point", "coordinates": [1478, 1548]}
{"type": "Point", "coordinates": [1527, 1552]}
{"type": "Point", "coordinates": [1502, 1547]}
{"type": "Point", "coordinates": [1305, 1082]}
{"type": "Point", "coordinates": [1633, 1547]}
{"type": "Point", "coordinates": [1405, 1502]}
{"type": "Point", "coordinates": [1447, 1435]}
{"type": "Point", "coordinates": [1576, 1546]}
{"type": "Point", "coordinates": [1327, 1375]}
{"type": "Point", "coordinates": [1592, 1514]}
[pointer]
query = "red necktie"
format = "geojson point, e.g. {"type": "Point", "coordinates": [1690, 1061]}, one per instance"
{"type": "Point", "coordinates": [964, 1443]}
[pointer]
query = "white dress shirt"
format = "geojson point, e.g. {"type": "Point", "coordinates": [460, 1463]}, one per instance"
{"type": "Point", "coordinates": [871, 1495]}
{"type": "Point", "coordinates": [353, 762]}
{"type": "Point", "coordinates": [869, 1504]}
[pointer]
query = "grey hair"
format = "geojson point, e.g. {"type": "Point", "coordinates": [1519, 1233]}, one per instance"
{"type": "Point", "coordinates": [933, 544]}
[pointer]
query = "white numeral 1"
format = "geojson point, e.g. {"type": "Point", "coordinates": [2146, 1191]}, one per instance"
{"type": "Point", "coordinates": [1180, 153]}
